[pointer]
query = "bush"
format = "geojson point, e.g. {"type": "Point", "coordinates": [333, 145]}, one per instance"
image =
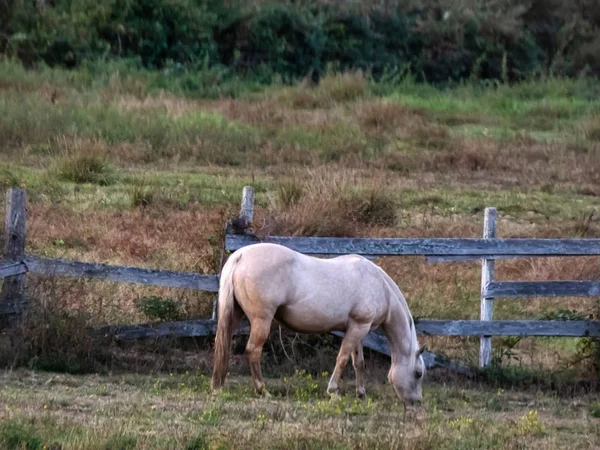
{"type": "Point", "coordinates": [435, 40]}
{"type": "Point", "coordinates": [157, 308]}
{"type": "Point", "coordinates": [87, 169]}
{"type": "Point", "coordinates": [15, 436]}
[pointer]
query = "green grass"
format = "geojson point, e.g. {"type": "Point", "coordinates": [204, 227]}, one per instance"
{"type": "Point", "coordinates": [182, 414]}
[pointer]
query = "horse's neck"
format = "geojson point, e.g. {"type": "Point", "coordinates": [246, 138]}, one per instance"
{"type": "Point", "coordinates": [399, 331]}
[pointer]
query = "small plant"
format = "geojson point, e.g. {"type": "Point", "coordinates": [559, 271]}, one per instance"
{"type": "Point", "coordinates": [15, 436]}
{"type": "Point", "coordinates": [303, 386]}
{"type": "Point", "coordinates": [347, 405]}
{"type": "Point", "coordinates": [121, 442]}
{"type": "Point", "coordinates": [198, 443]}
{"type": "Point", "coordinates": [289, 193]}
{"type": "Point", "coordinates": [142, 195]}
{"type": "Point", "coordinates": [9, 178]}
{"type": "Point", "coordinates": [530, 424]}
{"type": "Point", "coordinates": [211, 417]}
{"type": "Point", "coordinates": [505, 351]}
{"type": "Point", "coordinates": [158, 308]}
{"type": "Point", "coordinates": [87, 169]}
{"type": "Point", "coordinates": [595, 410]}
{"type": "Point", "coordinates": [461, 423]}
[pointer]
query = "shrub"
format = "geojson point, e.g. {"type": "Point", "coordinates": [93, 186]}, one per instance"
{"type": "Point", "coordinates": [434, 40]}
{"type": "Point", "coordinates": [157, 308]}
{"type": "Point", "coordinates": [121, 442]}
{"type": "Point", "coordinates": [87, 169]}
{"type": "Point", "coordinates": [595, 410]}
{"type": "Point", "coordinates": [15, 436]}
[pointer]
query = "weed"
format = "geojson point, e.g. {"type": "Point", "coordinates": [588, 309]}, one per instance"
{"type": "Point", "coordinates": [530, 424]}
{"type": "Point", "coordinates": [198, 443]}
{"type": "Point", "coordinates": [142, 194]}
{"type": "Point", "coordinates": [158, 308]}
{"type": "Point", "coordinates": [121, 442]}
{"type": "Point", "coordinates": [462, 423]}
{"type": "Point", "coordinates": [595, 410]}
{"type": "Point", "coordinates": [87, 169]}
{"type": "Point", "coordinates": [16, 436]}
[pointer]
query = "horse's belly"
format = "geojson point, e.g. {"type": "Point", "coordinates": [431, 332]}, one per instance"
{"type": "Point", "coordinates": [307, 320]}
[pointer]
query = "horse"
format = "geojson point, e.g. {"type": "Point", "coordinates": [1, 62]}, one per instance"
{"type": "Point", "coordinates": [269, 282]}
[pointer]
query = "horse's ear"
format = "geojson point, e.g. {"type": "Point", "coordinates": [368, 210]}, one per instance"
{"type": "Point", "coordinates": [420, 351]}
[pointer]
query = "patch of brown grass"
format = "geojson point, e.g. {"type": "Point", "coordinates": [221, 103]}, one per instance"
{"type": "Point", "coordinates": [331, 90]}
{"type": "Point", "coordinates": [382, 116]}
{"type": "Point", "coordinates": [170, 105]}
{"type": "Point", "coordinates": [590, 128]}
{"type": "Point", "coordinates": [330, 203]}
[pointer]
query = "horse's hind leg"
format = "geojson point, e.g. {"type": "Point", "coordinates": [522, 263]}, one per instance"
{"type": "Point", "coordinates": [354, 335]}
{"type": "Point", "coordinates": [259, 332]}
{"type": "Point", "coordinates": [358, 361]}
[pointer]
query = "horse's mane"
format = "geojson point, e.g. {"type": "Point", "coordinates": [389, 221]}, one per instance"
{"type": "Point", "coordinates": [402, 301]}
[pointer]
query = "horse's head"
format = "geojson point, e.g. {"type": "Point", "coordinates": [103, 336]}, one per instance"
{"type": "Point", "coordinates": [407, 378]}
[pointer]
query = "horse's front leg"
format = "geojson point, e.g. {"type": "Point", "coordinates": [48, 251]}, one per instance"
{"type": "Point", "coordinates": [358, 361]}
{"type": "Point", "coordinates": [354, 335]}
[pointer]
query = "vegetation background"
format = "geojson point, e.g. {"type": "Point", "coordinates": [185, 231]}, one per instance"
{"type": "Point", "coordinates": [134, 125]}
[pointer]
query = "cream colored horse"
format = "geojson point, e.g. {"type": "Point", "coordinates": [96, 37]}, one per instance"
{"type": "Point", "coordinates": [310, 295]}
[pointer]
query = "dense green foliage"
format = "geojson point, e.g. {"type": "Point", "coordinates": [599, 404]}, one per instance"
{"type": "Point", "coordinates": [436, 40]}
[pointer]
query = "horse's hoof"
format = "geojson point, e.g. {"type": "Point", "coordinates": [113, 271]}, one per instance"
{"type": "Point", "coordinates": [361, 395]}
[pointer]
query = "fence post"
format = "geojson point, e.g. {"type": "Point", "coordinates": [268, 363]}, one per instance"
{"type": "Point", "coordinates": [487, 276]}
{"type": "Point", "coordinates": [240, 224]}
{"type": "Point", "coordinates": [12, 298]}
{"type": "Point", "coordinates": [247, 206]}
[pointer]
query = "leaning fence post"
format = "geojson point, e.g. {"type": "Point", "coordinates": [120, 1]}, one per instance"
{"type": "Point", "coordinates": [487, 276]}
{"type": "Point", "coordinates": [12, 298]}
{"type": "Point", "coordinates": [239, 225]}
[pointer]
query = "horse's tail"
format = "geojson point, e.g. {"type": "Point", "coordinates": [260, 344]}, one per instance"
{"type": "Point", "coordinates": [225, 322]}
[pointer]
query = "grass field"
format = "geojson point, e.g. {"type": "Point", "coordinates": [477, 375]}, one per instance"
{"type": "Point", "coordinates": [119, 172]}
{"type": "Point", "coordinates": [169, 411]}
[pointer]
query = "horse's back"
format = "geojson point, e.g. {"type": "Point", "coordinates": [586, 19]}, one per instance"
{"type": "Point", "coordinates": [309, 293]}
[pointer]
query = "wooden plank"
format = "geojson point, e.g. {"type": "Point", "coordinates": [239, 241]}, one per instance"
{"type": "Point", "coordinates": [465, 258]}
{"type": "Point", "coordinates": [123, 274]}
{"type": "Point", "coordinates": [189, 328]}
{"type": "Point", "coordinates": [487, 276]}
{"type": "Point", "coordinates": [543, 289]}
{"type": "Point", "coordinates": [424, 246]}
{"type": "Point", "coordinates": [12, 297]}
{"type": "Point", "coordinates": [11, 268]}
{"type": "Point", "coordinates": [567, 328]}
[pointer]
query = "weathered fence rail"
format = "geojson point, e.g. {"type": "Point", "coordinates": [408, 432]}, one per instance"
{"type": "Point", "coordinates": [16, 264]}
{"type": "Point", "coordinates": [488, 248]}
{"type": "Point", "coordinates": [123, 274]}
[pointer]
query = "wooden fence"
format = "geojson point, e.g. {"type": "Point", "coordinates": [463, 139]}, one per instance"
{"type": "Point", "coordinates": [17, 263]}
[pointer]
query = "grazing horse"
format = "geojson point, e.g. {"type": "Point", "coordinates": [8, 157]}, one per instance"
{"type": "Point", "coordinates": [310, 295]}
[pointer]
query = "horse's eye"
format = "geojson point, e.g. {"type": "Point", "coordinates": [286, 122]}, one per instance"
{"type": "Point", "coordinates": [418, 374]}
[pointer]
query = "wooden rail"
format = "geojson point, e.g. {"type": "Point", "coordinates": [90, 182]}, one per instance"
{"type": "Point", "coordinates": [464, 247]}
{"type": "Point", "coordinates": [12, 268]}
{"type": "Point", "coordinates": [123, 274]}
{"type": "Point", "coordinates": [572, 328]}
{"type": "Point", "coordinates": [505, 289]}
